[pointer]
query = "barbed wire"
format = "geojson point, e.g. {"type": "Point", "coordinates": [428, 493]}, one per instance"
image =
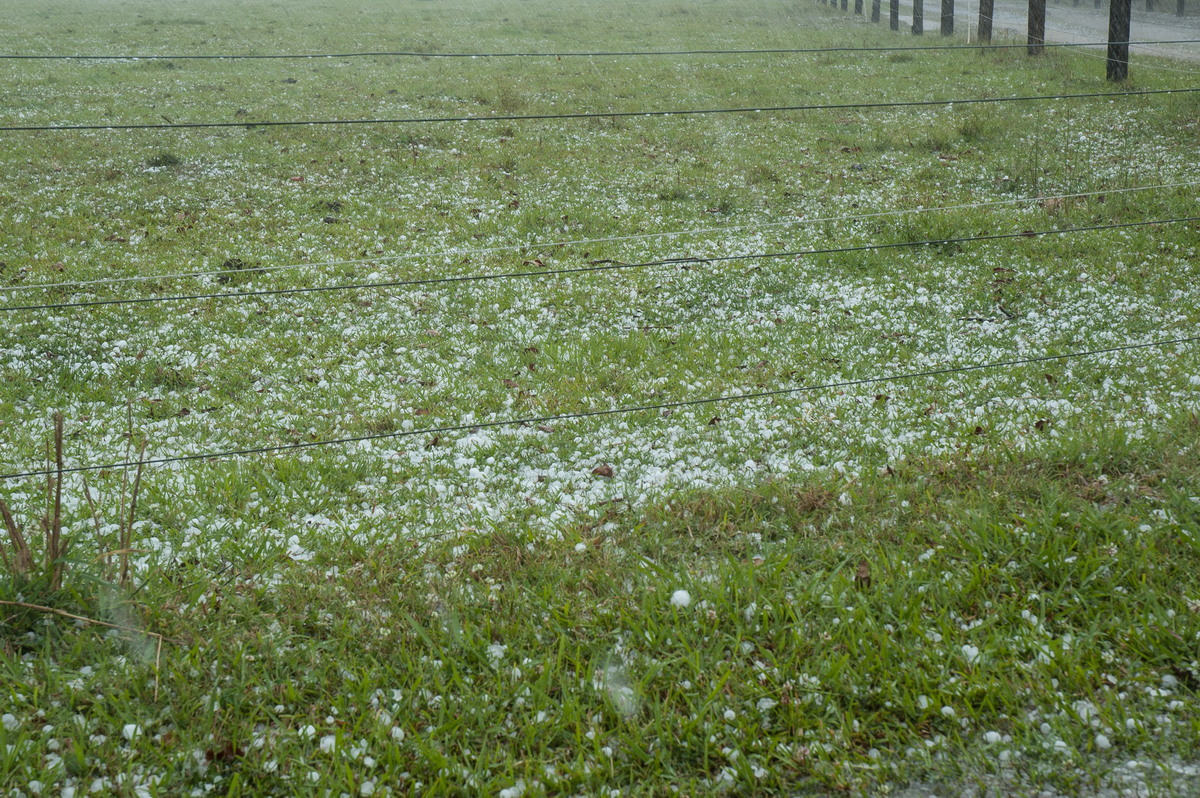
{"type": "Point", "coordinates": [539, 245]}
{"type": "Point", "coordinates": [594, 266]}
{"type": "Point", "coordinates": [543, 420]}
{"type": "Point", "coordinates": [859, 106]}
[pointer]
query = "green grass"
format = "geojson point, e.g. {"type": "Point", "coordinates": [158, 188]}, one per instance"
{"type": "Point", "coordinates": [476, 611]}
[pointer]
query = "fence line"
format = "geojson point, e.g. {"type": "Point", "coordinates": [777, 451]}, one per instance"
{"type": "Point", "coordinates": [564, 54]}
{"type": "Point", "coordinates": [860, 106]}
{"type": "Point", "coordinates": [610, 412]}
{"type": "Point", "coordinates": [539, 245]}
{"type": "Point", "coordinates": [594, 266]}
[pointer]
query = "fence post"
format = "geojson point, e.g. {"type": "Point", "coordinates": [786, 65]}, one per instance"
{"type": "Point", "coordinates": [1037, 27]}
{"type": "Point", "coordinates": [875, 4]}
{"type": "Point", "coordinates": [918, 26]}
{"type": "Point", "coordinates": [1179, 8]}
{"type": "Point", "coordinates": [845, 4]}
{"type": "Point", "coordinates": [1119, 12]}
{"type": "Point", "coordinates": [858, 7]}
{"type": "Point", "coordinates": [985, 21]}
{"type": "Point", "coordinates": [947, 17]}
{"type": "Point", "coordinates": [894, 14]}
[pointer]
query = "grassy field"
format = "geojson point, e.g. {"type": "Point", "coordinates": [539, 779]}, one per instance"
{"type": "Point", "coordinates": [971, 580]}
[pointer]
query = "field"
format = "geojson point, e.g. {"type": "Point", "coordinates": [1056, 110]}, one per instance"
{"type": "Point", "coordinates": [841, 449]}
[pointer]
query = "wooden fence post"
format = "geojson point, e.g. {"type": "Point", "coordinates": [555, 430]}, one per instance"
{"type": "Point", "coordinates": [1119, 12]}
{"type": "Point", "coordinates": [918, 26]}
{"type": "Point", "coordinates": [858, 7]}
{"type": "Point", "coordinates": [985, 21]}
{"type": "Point", "coordinates": [947, 17]}
{"type": "Point", "coordinates": [1037, 27]}
{"type": "Point", "coordinates": [894, 14]}
{"type": "Point", "coordinates": [875, 8]}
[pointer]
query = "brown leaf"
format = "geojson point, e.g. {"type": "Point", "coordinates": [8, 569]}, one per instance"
{"type": "Point", "coordinates": [979, 430]}
{"type": "Point", "coordinates": [510, 384]}
{"type": "Point", "coordinates": [712, 422]}
{"type": "Point", "coordinates": [1050, 378]}
{"type": "Point", "coordinates": [1041, 424]}
{"type": "Point", "coordinates": [862, 577]}
{"type": "Point", "coordinates": [603, 470]}
{"type": "Point", "coordinates": [227, 753]}
{"type": "Point", "coordinates": [545, 428]}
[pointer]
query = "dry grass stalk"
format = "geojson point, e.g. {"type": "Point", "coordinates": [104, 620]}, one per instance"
{"type": "Point", "coordinates": [126, 534]}
{"type": "Point", "coordinates": [159, 639]}
{"type": "Point", "coordinates": [56, 547]}
{"type": "Point", "coordinates": [21, 563]}
{"type": "Point", "coordinates": [105, 555]}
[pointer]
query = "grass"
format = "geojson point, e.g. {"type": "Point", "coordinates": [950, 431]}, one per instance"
{"type": "Point", "coordinates": [981, 580]}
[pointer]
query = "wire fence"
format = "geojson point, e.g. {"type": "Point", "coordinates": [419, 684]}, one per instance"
{"type": "Point", "coordinates": [592, 268]}
{"type": "Point", "coordinates": [647, 408]}
{"type": "Point", "coordinates": [580, 242]}
{"type": "Point", "coordinates": [659, 112]}
{"type": "Point", "coordinates": [603, 265]}
{"type": "Point", "coordinates": [564, 53]}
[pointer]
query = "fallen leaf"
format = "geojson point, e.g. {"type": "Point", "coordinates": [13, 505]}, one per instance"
{"type": "Point", "coordinates": [604, 470]}
{"type": "Point", "coordinates": [862, 577]}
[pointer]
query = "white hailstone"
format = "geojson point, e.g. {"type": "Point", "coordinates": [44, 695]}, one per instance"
{"type": "Point", "coordinates": [1102, 742]}
{"type": "Point", "coordinates": [580, 547]}
{"type": "Point", "coordinates": [328, 743]}
{"type": "Point", "coordinates": [398, 734]}
{"type": "Point", "coordinates": [10, 722]}
{"type": "Point", "coordinates": [730, 714]}
{"type": "Point", "coordinates": [923, 701]}
{"type": "Point", "coordinates": [367, 788]}
{"type": "Point", "coordinates": [681, 598]}
{"type": "Point", "coordinates": [307, 731]}
{"type": "Point", "coordinates": [948, 711]}
{"type": "Point", "coordinates": [970, 653]}
{"type": "Point", "coordinates": [515, 791]}
{"type": "Point", "coordinates": [130, 730]}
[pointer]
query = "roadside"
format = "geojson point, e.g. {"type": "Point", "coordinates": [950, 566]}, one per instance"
{"type": "Point", "coordinates": [1082, 23]}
